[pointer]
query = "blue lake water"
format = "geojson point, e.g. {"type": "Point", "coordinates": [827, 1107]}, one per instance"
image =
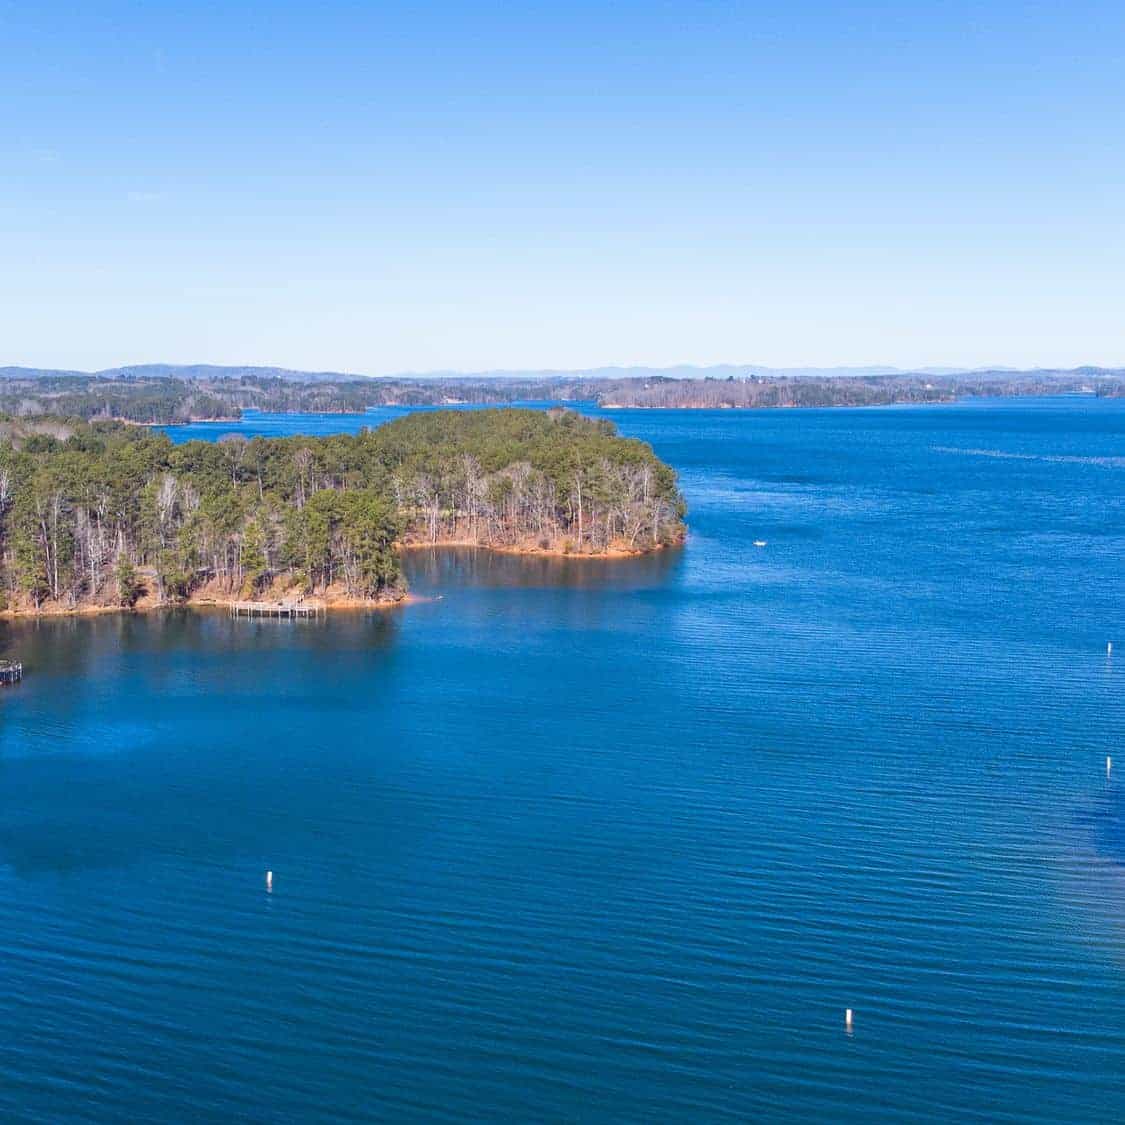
{"type": "Point", "coordinates": [608, 841]}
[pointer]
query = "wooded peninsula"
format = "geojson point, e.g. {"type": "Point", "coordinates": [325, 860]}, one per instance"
{"type": "Point", "coordinates": [100, 514]}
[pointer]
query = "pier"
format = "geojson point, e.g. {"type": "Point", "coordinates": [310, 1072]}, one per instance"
{"type": "Point", "coordinates": [11, 672]}
{"type": "Point", "coordinates": [277, 609]}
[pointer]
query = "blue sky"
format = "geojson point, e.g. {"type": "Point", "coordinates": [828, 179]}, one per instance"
{"type": "Point", "coordinates": [389, 187]}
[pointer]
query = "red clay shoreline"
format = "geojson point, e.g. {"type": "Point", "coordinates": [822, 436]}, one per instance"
{"type": "Point", "coordinates": [334, 599]}
{"type": "Point", "coordinates": [206, 601]}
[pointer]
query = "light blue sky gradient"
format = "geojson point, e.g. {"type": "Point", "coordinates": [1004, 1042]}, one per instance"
{"type": "Point", "coordinates": [388, 187]}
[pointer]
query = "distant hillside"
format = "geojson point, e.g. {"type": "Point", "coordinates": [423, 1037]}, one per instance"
{"type": "Point", "coordinates": [685, 371]}
{"type": "Point", "coordinates": [207, 372]}
{"type": "Point", "coordinates": [183, 371]}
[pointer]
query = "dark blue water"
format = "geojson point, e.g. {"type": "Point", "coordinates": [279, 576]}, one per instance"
{"type": "Point", "coordinates": [609, 842]}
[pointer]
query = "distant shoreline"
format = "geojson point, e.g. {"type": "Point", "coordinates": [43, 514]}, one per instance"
{"type": "Point", "coordinates": [952, 400]}
{"type": "Point", "coordinates": [164, 395]}
{"type": "Point", "coordinates": [619, 406]}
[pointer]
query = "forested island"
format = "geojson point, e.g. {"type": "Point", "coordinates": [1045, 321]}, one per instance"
{"type": "Point", "coordinates": [167, 395]}
{"type": "Point", "coordinates": [101, 514]}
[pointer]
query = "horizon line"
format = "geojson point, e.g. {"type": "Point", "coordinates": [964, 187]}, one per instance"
{"type": "Point", "coordinates": [594, 372]}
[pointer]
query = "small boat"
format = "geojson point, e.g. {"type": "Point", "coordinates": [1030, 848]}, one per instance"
{"type": "Point", "coordinates": [759, 542]}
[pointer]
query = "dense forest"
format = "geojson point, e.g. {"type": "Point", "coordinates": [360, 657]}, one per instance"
{"type": "Point", "coordinates": [100, 513]}
{"type": "Point", "coordinates": [158, 395]}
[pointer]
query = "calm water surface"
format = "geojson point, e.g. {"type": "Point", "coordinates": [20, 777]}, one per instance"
{"type": "Point", "coordinates": [609, 842]}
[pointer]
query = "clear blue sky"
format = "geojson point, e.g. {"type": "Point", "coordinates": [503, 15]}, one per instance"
{"type": "Point", "coordinates": [386, 187]}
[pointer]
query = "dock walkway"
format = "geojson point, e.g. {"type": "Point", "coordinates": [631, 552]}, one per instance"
{"type": "Point", "coordinates": [276, 609]}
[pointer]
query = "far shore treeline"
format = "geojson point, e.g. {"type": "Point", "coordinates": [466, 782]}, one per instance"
{"type": "Point", "coordinates": [169, 395]}
{"type": "Point", "coordinates": [100, 513]}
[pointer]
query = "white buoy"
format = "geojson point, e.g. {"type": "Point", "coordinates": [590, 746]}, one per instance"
{"type": "Point", "coordinates": [1108, 764]}
{"type": "Point", "coordinates": [269, 880]}
{"type": "Point", "coordinates": [1109, 648]}
{"type": "Point", "coordinates": [848, 1018]}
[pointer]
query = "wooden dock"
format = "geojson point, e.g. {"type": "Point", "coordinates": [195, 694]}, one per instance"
{"type": "Point", "coordinates": [277, 609]}
{"type": "Point", "coordinates": [11, 672]}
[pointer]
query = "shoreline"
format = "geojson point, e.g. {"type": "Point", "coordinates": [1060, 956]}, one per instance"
{"type": "Point", "coordinates": [207, 601]}
{"type": "Point", "coordinates": [612, 554]}
{"type": "Point", "coordinates": [952, 400]}
{"type": "Point", "coordinates": [162, 425]}
{"type": "Point", "coordinates": [335, 602]}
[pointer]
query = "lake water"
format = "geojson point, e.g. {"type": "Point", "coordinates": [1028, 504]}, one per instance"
{"type": "Point", "coordinates": [609, 841]}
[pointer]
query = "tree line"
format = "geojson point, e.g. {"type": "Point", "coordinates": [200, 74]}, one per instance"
{"type": "Point", "coordinates": [763, 392]}
{"type": "Point", "coordinates": [92, 512]}
{"type": "Point", "coordinates": [167, 400]}
{"type": "Point", "coordinates": [202, 395]}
